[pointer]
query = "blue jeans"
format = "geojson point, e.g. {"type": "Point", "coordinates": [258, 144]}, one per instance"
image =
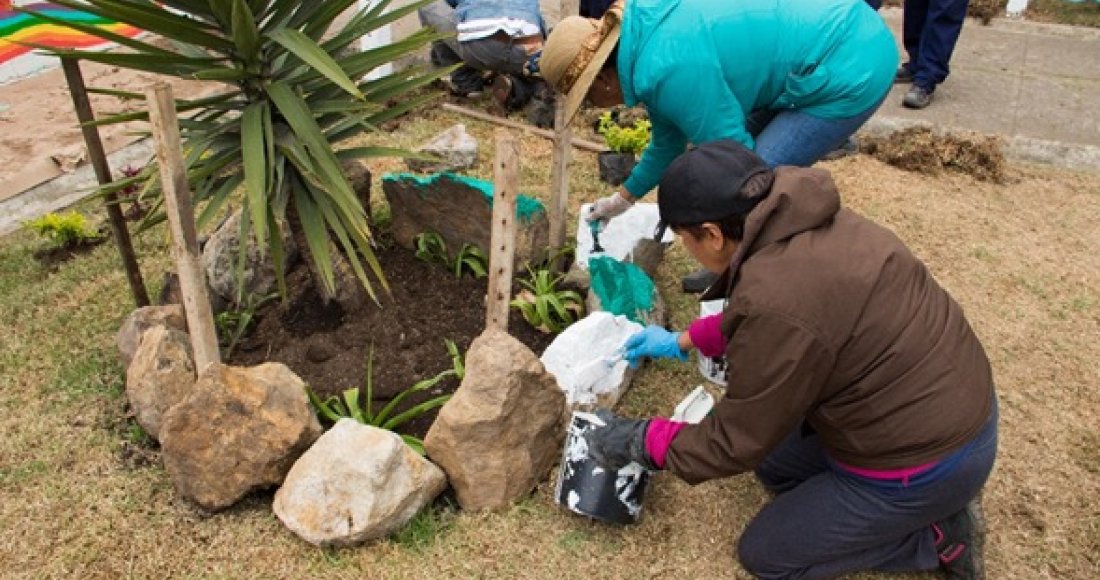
{"type": "Point", "coordinates": [930, 29]}
{"type": "Point", "coordinates": [791, 137]}
{"type": "Point", "coordinates": [826, 521]}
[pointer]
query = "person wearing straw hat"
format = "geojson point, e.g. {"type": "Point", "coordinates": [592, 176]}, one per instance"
{"type": "Point", "coordinates": [792, 80]}
{"type": "Point", "coordinates": [856, 389]}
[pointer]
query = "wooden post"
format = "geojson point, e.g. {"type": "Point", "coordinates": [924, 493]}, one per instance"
{"type": "Point", "coordinates": [575, 141]}
{"type": "Point", "coordinates": [181, 220]}
{"type": "Point", "coordinates": [503, 233]}
{"type": "Point", "coordinates": [98, 159]}
{"type": "Point", "coordinates": [559, 183]}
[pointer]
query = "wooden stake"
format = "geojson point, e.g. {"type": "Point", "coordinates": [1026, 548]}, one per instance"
{"type": "Point", "coordinates": [181, 220]}
{"type": "Point", "coordinates": [98, 158]}
{"type": "Point", "coordinates": [578, 143]}
{"type": "Point", "coordinates": [503, 233]}
{"type": "Point", "coordinates": [559, 182]}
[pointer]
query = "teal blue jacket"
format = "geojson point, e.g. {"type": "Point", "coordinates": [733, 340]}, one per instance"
{"type": "Point", "coordinates": [701, 66]}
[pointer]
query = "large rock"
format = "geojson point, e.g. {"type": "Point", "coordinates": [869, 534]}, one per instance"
{"type": "Point", "coordinates": [586, 359]}
{"type": "Point", "coordinates": [502, 431]}
{"type": "Point", "coordinates": [240, 429]}
{"type": "Point", "coordinates": [160, 377]}
{"type": "Point", "coordinates": [356, 483]}
{"type": "Point", "coordinates": [219, 260]}
{"type": "Point", "coordinates": [627, 238]}
{"type": "Point", "coordinates": [142, 319]}
{"type": "Point", "coordinates": [455, 150]}
{"type": "Point", "coordinates": [459, 209]}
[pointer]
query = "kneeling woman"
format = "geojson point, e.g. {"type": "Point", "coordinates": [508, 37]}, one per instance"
{"type": "Point", "coordinates": [857, 390]}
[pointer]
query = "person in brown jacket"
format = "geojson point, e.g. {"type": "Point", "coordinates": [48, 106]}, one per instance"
{"type": "Point", "coordinates": [856, 389]}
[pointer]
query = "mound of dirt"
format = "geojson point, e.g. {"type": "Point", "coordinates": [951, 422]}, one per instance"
{"type": "Point", "coordinates": [922, 150]}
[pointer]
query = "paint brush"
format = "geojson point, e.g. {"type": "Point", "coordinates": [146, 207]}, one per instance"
{"type": "Point", "coordinates": [594, 226]}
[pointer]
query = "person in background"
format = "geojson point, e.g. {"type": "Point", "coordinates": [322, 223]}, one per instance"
{"type": "Point", "coordinates": [502, 37]}
{"type": "Point", "coordinates": [930, 29]}
{"type": "Point", "coordinates": [792, 80]}
{"type": "Point", "coordinates": [856, 389]}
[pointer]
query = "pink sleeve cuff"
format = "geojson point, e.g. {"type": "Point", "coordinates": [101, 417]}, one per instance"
{"type": "Point", "coordinates": [659, 436]}
{"type": "Point", "coordinates": [706, 335]}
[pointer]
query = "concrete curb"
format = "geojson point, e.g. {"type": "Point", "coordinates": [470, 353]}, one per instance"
{"type": "Point", "coordinates": [67, 189]}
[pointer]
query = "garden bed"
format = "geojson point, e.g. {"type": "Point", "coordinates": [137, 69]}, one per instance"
{"type": "Point", "coordinates": [329, 348]}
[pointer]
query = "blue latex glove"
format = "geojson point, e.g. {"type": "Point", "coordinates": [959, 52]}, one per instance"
{"type": "Point", "coordinates": [654, 342]}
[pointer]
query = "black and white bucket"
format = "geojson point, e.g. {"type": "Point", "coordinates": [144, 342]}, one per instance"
{"type": "Point", "coordinates": [587, 489]}
{"type": "Point", "coordinates": [712, 368]}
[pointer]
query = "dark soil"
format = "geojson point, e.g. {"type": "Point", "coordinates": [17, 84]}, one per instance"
{"type": "Point", "coordinates": [52, 257]}
{"type": "Point", "coordinates": [329, 348]}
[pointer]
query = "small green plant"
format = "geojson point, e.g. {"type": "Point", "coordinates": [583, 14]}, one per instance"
{"type": "Point", "coordinates": [621, 139]}
{"type": "Point", "coordinates": [350, 406]}
{"type": "Point", "coordinates": [430, 247]}
{"type": "Point", "coordinates": [64, 230]}
{"type": "Point", "coordinates": [426, 528]}
{"type": "Point", "coordinates": [544, 305]}
{"type": "Point", "coordinates": [470, 258]}
{"type": "Point", "coordinates": [233, 325]}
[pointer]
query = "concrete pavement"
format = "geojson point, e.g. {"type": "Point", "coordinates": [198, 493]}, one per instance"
{"type": "Point", "coordinates": [1036, 84]}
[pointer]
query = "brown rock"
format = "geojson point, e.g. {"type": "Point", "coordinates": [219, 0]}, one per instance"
{"type": "Point", "coordinates": [241, 429]}
{"type": "Point", "coordinates": [161, 376]}
{"type": "Point", "coordinates": [502, 431]}
{"type": "Point", "coordinates": [142, 319]}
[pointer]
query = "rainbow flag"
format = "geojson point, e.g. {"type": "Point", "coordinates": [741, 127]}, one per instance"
{"type": "Point", "coordinates": [19, 27]}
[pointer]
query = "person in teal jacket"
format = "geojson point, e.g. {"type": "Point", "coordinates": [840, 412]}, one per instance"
{"type": "Point", "coordinates": [792, 80]}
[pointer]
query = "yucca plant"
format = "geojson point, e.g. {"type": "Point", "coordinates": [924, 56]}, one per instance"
{"type": "Point", "coordinates": [545, 306]}
{"type": "Point", "coordinates": [291, 98]}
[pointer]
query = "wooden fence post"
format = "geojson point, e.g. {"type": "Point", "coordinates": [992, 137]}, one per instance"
{"type": "Point", "coordinates": [503, 233]}
{"type": "Point", "coordinates": [98, 158]}
{"type": "Point", "coordinates": [559, 183]}
{"type": "Point", "coordinates": [181, 220]}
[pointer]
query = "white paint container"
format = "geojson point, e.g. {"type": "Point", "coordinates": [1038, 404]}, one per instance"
{"type": "Point", "coordinates": [713, 369]}
{"type": "Point", "coordinates": [587, 489]}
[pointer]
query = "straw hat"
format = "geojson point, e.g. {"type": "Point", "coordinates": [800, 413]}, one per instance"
{"type": "Point", "coordinates": [575, 52]}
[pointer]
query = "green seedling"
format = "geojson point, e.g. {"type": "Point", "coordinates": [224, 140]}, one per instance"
{"type": "Point", "coordinates": [350, 406]}
{"type": "Point", "coordinates": [233, 325]}
{"type": "Point", "coordinates": [64, 230]}
{"type": "Point", "coordinates": [543, 305]}
{"type": "Point", "coordinates": [470, 258]}
{"type": "Point", "coordinates": [430, 247]}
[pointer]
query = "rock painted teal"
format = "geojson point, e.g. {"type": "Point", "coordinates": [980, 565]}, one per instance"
{"type": "Point", "coordinates": [622, 287]}
{"type": "Point", "coordinates": [527, 208]}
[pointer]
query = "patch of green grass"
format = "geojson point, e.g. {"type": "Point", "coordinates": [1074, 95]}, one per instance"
{"type": "Point", "coordinates": [427, 528]}
{"type": "Point", "coordinates": [982, 253]}
{"type": "Point", "coordinates": [22, 473]}
{"type": "Point", "coordinates": [574, 540]}
{"type": "Point", "coordinates": [90, 374]}
{"type": "Point", "coordinates": [1086, 13]}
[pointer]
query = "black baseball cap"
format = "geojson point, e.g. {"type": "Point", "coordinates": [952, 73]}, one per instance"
{"type": "Point", "coordinates": [702, 185]}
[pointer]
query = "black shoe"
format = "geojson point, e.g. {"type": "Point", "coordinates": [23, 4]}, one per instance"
{"type": "Point", "coordinates": [698, 281]}
{"type": "Point", "coordinates": [849, 147]}
{"type": "Point", "coordinates": [959, 540]}
{"type": "Point", "coordinates": [917, 97]}
{"type": "Point", "coordinates": [903, 75]}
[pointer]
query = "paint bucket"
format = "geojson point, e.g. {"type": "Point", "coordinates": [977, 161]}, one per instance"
{"type": "Point", "coordinates": [712, 368]}
{"type": "Point", "coordinates": [587, 489]}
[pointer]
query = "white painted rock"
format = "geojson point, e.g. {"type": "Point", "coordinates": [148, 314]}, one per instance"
{"type": "Point", "coordinates": [357, 483]}
{"type": "Point", "coordinates": [502, 431]}
{"type": "Point", "coordinates": [455, 148]}
{"type": "Point", "coordinates": [627, 238]}
{"type": "Point", "coordinates": [585, 359]}
{"type": "Point", "coordinates": [160, 377]}
{"type": "Point", "coordinates": [241, 429]}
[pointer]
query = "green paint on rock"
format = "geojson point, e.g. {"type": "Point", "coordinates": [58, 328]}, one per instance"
{"type": "Point", "coordinates": [527, 208]}
{"type": "Point", "coordinates": [622, 287]}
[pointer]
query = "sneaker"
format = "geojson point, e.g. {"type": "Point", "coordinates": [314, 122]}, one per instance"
{"type": "Point", "coordinates": [903, 75]}
{"type": "Point", "coordinates": [469, 92]}
{"type": "Point", "coordinates": [959, 539]}
{"type": "Point", "coordinates": [849, 147]}
{"type": "Point", "coordinates": [917, 97]}
{"type": "Point", "coordinates": [698, 281]}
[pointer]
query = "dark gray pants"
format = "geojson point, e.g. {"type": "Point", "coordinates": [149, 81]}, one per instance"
{"type": "Point", "coordinates": [825, 522]}
{"type": "Point", "coordinates": [477, 56]}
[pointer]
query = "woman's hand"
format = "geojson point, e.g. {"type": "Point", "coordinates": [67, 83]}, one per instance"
{"type": "Point", "coordinates": [654, 342]}
{"type": "Point", "coordinates": [609, 207]}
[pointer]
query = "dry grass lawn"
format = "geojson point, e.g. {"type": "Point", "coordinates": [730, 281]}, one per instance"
{"type": "Point", "coordinates": [81, 498]}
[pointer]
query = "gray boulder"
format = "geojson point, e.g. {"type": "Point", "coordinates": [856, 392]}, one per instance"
{"type": "Point", "coordinates": [142, 319]}
{"type": "Point", "coordinates": [455, 150]}
{"type": "Point", "coordinates": [160, 377]}
{"type": "Point", "coordinates": [219, 260]}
